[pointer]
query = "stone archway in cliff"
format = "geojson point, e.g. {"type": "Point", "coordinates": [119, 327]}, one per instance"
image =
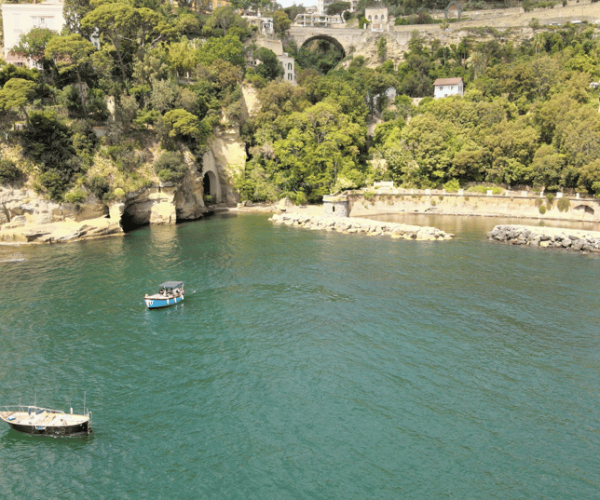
{"type": "Point", "coordinates": [210, 187]}
{"type": "Point", "coordinates": [450, 10]}
{"type": "Point", "coordinates": [329, 39]}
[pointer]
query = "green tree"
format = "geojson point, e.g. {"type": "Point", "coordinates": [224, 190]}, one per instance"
{"type": "Point", "coordinates": [74, 11]}
{"type": "Point", "coordinates": [281, 23]}
{"type": "Point", "coordinates": [224, 19]}
{"type": "Point", "coordinates": [32, 45]}
{"type": "Point", "coordinates": [269, 67]}
{"type": "Point", "coordinates": [547, 167]}
{"type": "Point", "coordinates": [320, 152]}
{"type": "Point", "coordinates": [71, 53]}
{"type": "Point", "coordinates": [182, 125]}
{"type": "Point", "coordinates": [16, 93]}
{"type": "Point", "coordinates": [116, 22]}
{"type": "Point", "coordinates": [336, 8]}
{"type": "Point", "coordinates": [47, 141]}
{"type": "Point", "coordinates": [170, 167]}
{"type": "Point", "coordinates": [228, 48]}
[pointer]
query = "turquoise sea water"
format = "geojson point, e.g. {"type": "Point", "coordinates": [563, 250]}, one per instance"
{"type": "Point", "coordinates": [304, 365]}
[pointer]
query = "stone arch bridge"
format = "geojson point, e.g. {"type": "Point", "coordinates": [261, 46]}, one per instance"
{"type": "Point", "coordinates": [345, 39]}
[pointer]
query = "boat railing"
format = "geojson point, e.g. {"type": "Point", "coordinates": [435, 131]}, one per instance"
{"type": "Point", "coordinates": [27, 408]}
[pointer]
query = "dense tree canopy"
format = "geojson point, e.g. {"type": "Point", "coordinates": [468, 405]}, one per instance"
{"type": "Point", "coordinates": [165, 77]}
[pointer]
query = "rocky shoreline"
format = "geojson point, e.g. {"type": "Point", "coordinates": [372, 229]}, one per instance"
{"type": "Point", "coordinates": [349, 225]}
{"type": "Point", "coordinates": [547, 237]}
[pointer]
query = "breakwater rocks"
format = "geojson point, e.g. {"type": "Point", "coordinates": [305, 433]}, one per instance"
{"type": "Point", "coordinates": [348, 225]}
{"type": "Point", "coordinates": [547, 237]}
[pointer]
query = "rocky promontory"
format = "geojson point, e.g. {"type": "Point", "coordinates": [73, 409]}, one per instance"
{"type": "Point", "coordinates": [547, 237]}
{"type": "Point", "coordinates": [349, 225]}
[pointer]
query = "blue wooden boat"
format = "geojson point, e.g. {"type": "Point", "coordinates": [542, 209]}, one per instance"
{"type": "Point", "coordinates": [170, 293]}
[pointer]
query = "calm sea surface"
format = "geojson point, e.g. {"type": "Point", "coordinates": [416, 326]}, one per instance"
{"type": "Point", "coordinates": [304, 365]}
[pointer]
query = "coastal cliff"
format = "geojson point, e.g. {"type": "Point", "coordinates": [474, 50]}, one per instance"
{"type": "Point", "coordinates": [27, 217]}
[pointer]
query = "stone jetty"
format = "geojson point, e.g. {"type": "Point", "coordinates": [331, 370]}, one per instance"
{"type": "Point", "coordinates": [547, 237]}
{"type": "Point", "coordinates": [349, 225]}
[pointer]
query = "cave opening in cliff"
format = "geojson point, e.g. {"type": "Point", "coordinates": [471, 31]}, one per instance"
{"type": "Point", "coordinates": [209, 185]}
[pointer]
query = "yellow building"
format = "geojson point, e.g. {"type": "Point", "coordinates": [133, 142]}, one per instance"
{"type": "Point", "coordinates": [215, 4]}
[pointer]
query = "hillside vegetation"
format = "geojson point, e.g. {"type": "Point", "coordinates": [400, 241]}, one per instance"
{"type": "Point", "coordinates": [165, 78]}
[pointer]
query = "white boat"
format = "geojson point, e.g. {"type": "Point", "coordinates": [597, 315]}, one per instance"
{"type": "Point", "coordinates": [45, 421]}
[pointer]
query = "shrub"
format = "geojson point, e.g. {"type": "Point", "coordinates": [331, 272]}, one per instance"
{"type": "Point", "coordinates": [75, 196]}
{"type": "Point", "coordinates": [170, 167]}
{"type": "Point", "coordinates": [452, 186]}
{"type": "Point", "coordinates": [9, 172]}
{"type": "Point", "coordinates": [300, 198]}
{"type": "Point", "coordinates": [368, 195]}
{"type": "Point", "coordinates": [441, 198]}
{"type": "Point", "coordinates": [99, 186]}
{"type": "Point", "coordinates": [542, 209]}
{"type": "Point", "coordinates": [550, 197]}
{"type": "Point", "coordinates": [563, 204]}
{"type": "Point", "coordinates": [538, 202]}
{"type": "Point", "coordinates": [484, 189]}
{"type": "Point", "coordinates": [54, 184]}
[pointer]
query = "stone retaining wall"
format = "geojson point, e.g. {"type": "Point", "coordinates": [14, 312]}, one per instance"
{"type": "Point", "coordinates": [547, 237]}
{"type": "Point", "coordinates": [365, 226]}
{"type": "Point", "coordinates": [510, 204]}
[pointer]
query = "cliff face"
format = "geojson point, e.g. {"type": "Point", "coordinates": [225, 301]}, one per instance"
{"type": "Point", "coordinates": [25, 217]}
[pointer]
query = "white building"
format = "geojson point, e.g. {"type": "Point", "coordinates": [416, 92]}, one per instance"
{"type": "Point", "coordinates": [318, 20]}
{"type": "Point", "coordinates": [287, 62]}
{"type": "Point", "coordinates": [20, 19]}
{"type": "Point", "coordinates": [378, 18]}
{"type": "Point", "coordinates": [444, 87]}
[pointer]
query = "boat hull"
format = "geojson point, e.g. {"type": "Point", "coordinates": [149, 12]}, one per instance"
{"type": "Point", "coordinates": [153, 303]}
{"type": "Point", "coordinates": [53, 430]}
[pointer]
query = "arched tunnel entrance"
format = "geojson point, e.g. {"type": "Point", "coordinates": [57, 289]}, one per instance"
{"type": "Point", "coordinates": [210, 188]}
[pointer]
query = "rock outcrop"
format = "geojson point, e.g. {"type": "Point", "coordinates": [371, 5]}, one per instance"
{"type": "Point", "coordinates": [547, 237]}
{"type": "Point", "coordinates": [26, 218]}
{"type": "Point", "coordinates": [348, 225]}
{"type": "Point", "coordinates": [22, 231]}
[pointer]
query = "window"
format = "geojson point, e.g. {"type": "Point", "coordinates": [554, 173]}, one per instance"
{"type": "Point", "coordinates": [289, 66]}
{"type": "Point", "coordinates": [290, 76]}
